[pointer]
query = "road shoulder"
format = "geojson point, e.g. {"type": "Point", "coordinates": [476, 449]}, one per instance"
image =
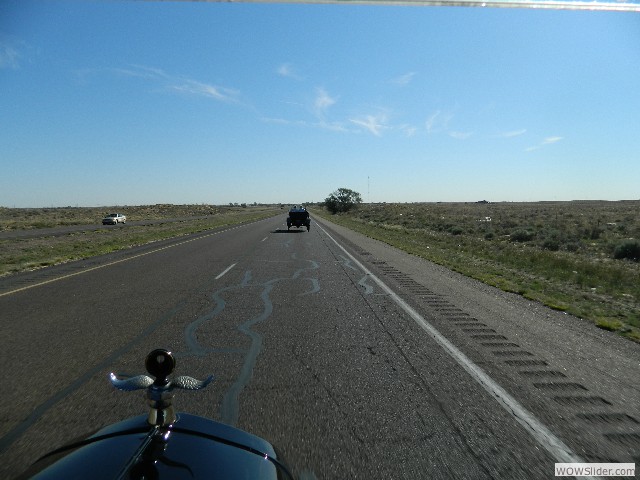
{"type": "Point", "coordinates": [580, 379]}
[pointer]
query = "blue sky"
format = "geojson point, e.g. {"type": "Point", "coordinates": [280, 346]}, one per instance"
{"type": "Point", "coordinates": [127, 103]}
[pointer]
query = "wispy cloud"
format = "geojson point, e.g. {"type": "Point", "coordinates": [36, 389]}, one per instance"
{"type": "Point", "coordinates": [431, 121]}
{"type": "Point", "coordinates": [513, 133]}
{"type": "Point", "coordinates": [318, 106]}
{"type": "Point", "coordinates": [546, 141]}
{"type": "Point", "coordinates": [408, 130]}
{"type": "Point", "coordinates": [142, 71]}
{"type": "Point", "coordinates": [403, 79]}
{"type": "Point", "coordinates": [322, 102]}
{"type": "Point", "coordinates": [9, 56]}
{"type": "Point", "coordinates": [550, 140]}
{"type": "Point", "coordinates": [372, 123]}
{"type": "Point", "coordinates": [287, 70]}
{"type": "Point", "coordinates": [438, 121]}
{"type": "Point", "coordinates": [284, 121]}
{"type": "Point", "coordinates": [333, 126]}
{"type": "Point", "coordinates": [215, 92]}
{"type": "Point", "coordinates": [460, 135]}
{"type": "Point", "coordinates": [174, 83]}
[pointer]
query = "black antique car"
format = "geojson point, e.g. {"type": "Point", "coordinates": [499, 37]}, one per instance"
{"type": "Point", "coordinates": [298, 217]}
{"type": "Point", "coordinates": [163, 444]}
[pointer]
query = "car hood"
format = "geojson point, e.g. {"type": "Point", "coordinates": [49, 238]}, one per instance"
{"type": "Point", "coordinates": [192, 448]}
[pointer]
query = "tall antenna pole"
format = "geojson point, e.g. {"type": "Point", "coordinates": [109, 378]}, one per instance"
{"type": "Point", "coordinates": [368, 190]}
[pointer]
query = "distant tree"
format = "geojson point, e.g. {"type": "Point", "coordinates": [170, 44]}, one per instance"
{"type": "Point", "coordinates": [342, 200]}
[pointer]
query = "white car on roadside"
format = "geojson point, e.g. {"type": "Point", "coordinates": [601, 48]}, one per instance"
{"type": "Point", "coordinates": [114, 219]}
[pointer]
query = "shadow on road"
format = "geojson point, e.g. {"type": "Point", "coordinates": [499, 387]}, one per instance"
{"type": "Point", "coordinates": [296, 230]}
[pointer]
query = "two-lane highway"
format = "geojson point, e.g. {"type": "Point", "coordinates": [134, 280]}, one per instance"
{"type": "Point", "coordinates": [310, 351]}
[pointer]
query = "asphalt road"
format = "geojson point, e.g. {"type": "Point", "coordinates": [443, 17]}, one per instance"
{"type": "Point", "coordinates": [353, 359]}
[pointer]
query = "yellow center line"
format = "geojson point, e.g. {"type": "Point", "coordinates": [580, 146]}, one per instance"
{"type": "Point", "coordinates": [111, 263]}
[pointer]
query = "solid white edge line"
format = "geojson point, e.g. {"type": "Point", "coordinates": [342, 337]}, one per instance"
{"type": "Point", "coordinates": [556, 447]}
{"type": "Point", "coordinates": [225, 271]}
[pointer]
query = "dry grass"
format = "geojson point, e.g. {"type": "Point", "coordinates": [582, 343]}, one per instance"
{"type": "Point", "coordinates": [34, 218]}
{"type": "Point", "coordinates": [21, 254]}
{"type": "Point", "coordinates": [558, 253]}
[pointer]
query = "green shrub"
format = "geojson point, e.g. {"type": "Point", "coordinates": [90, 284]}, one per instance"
{"type": "Point", "coordinates": [522, 236]}
{"type": "Point", "coordinates": [627, 249]}
{"type": "Point", "coordinates": [595, 233]}
{"type": "Point", "coordinates": [551, 244]}
{"type": "Point", "coordinates": [552, 240]}
{"type": "Point", "coordinates": [572, 247]}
